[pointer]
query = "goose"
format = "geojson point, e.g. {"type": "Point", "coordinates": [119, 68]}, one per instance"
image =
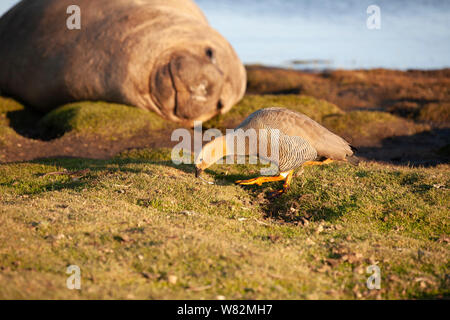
{"type": "Point", "coordinates": [300, 140]}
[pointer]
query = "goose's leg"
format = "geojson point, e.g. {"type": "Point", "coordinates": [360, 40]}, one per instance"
{"type": "Point", "coordinates": [287, 182]}
{"type": "Point", "coordinates": [286, 185]}
{"type": "Point", "coordinates": [317, 163]}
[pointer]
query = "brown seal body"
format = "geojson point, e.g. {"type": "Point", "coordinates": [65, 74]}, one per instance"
{"type": "Point", "coordinates": [160, 55]}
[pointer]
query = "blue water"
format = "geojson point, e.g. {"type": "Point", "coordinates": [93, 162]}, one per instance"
{"type": "Point", "coordinates": [413, 34]}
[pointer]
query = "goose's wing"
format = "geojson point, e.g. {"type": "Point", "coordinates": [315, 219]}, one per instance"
{"type": "Point", "coordinates": [291, 123]}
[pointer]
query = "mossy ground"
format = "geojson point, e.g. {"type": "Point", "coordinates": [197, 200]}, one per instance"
{"type": "Point", "coordinates": [107, 119]}
{"type": "Point", "coordinates": [134, 222]}
{"type": "Point", "coordinates": [367, 127]}
{"type": "Point", "coordinates": [100, 118]}
{"type": "Point", "coordinates": [113, 121]}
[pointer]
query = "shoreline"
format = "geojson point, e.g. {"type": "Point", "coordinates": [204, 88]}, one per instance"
{"type": "Point", "coordinates": [288, 66]}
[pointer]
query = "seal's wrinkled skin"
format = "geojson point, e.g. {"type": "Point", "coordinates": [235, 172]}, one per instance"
{"type": "Point", "coordinates": [159, 55]}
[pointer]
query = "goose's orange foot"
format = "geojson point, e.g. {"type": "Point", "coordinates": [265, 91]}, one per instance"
{"type": "Point", "coordinates": [317, 163]}
{"type": "Point", "coordinates": [259, 181]}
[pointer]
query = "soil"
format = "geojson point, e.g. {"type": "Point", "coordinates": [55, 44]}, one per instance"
{"type": "Point", "coordinates": [75, 145]}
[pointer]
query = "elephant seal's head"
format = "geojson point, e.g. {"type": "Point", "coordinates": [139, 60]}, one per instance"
{"type": "Point", "coordinates": [197, 82]}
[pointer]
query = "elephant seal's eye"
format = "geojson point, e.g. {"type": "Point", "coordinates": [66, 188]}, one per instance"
{"type": "Point", "coordinates": [209, 52]}
{"type": "Point", "coordinates": [219, 105]}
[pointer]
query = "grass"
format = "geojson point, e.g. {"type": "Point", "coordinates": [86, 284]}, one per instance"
{"type": "Point", "coordinates": [140, 227]}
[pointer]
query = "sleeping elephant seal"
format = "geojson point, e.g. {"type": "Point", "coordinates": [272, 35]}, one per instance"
{"type": "Point", "coordinates": [159, 55]}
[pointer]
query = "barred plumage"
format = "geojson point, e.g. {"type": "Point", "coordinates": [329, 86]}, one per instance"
{"type": "Point", "coordinates": [295, 124]}
{"type": "Point", "coordinates": [294, 151]}
{"type": "Point", "coordinates": [290, 152]}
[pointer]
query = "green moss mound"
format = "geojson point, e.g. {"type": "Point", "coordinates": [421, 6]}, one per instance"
{"type": "Point", "coordinates": [101, 118]}
{"type": "Point", "coordinates": [314, 108]}
{"type": "Point", "coordinates": [8, 105]}
{"type": "Point", "coordinates": [373, 124]}
{"type": "Point", "coordinates": [6, 133]}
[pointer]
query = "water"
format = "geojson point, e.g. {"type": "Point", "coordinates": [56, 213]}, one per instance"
{"type": "Point", "coordinates": [331, 33]}
{"type": "Point", "coordinates": [413, 34]}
